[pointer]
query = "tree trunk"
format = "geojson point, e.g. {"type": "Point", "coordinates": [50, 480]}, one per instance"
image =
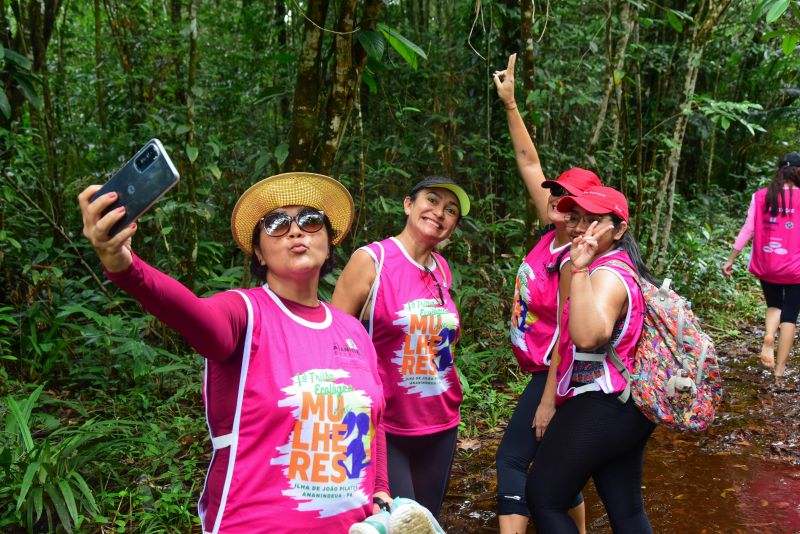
{"type": "Point", "coordinates": [702, 33]}
{"type": "Point", "coordinates": [190, 142]}
{"type": "Point", "coordinates": [98, 73]}
{"type": "Point", "coordinates": [177, 57]}
{"type": "Point", "coordinates": [345, 77]}
{"type": "Point", "coordinates": [317, 109]}
{"type": "Point", "coordinates": [528, 75]}
{"type": "Point", "coordinates": [307, 88]}
{"type": "Point", "coordinates": [627, 17]}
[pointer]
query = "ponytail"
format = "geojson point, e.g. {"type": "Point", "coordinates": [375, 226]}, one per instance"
{"type": "Point", "coordinates": [775, 201]}
{"type": "Point", "coordinates": [628, 244]}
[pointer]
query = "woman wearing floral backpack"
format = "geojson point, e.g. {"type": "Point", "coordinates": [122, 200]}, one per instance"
{"type": "Point", "coordinates": [593, 434]}
{"type": "Point", "coordinates": [772, 222]}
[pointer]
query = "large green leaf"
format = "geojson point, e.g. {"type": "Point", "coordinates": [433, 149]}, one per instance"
{"type": "Point", "coordinates": [69, 499]}
{"type": "Point", "coordinates": [192, 153]}
{"type": "Point", "coordinates": [789, 43]}
{"type": "Point", "coordinates": [61, 507]}
{"type": "Point", "coordinates": [776, 10]}
{"type": "Point", "coordinates": [281, 153]}
{"type": "Point", "coordinates": [87, 493]}
{"type": "Point", "coordinates": [22, 424]}
{"type": "Point", "coordinates": [18, 59]}
{"type": "Point", "coordinates": [674, 21]}
{"type": "Point", "coordinates": [5, 106]}
{"type": "Point", "coordinates": [29, 92]}
{"type": "Point", "coordinates": [373, 42]}
{"type": "Point", "coordinates": [408, 50]}
{"type": "Point", "coordinates": [27, 481]}
{"type": "Point", "coordinates": [370, 82]}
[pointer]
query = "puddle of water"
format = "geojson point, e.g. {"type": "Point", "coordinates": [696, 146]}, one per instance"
{"type": "Point", "coordinates": [742, 476]}
{"type": "Point", "coordinates": [686, 489]}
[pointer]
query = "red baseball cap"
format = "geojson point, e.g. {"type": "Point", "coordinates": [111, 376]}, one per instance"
{"type": "Point", "coordinates": [574, 180]}
{"type": "Point", "coordinates": [599, 201]}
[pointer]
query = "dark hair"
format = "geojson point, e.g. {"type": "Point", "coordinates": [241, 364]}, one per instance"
{"type": "Point", "coordinates": [628, 244]}
{"type": "Point", "coordinates": [260, 271]}
{"type": "Point", "coordinates": [775, 202]}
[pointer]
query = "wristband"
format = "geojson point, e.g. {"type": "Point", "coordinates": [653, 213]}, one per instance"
{"type": "Point", "coordinates": [581, 270]}
{"type": "Point", "coordinates": [383, 505]}
{"type": "Point", "coordinates": [511, 104]}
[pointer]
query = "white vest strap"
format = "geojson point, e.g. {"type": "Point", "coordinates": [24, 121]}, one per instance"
{"type": "Point", "coordinates": [220, 442]}
{"type": "Point", "coordinates": [589, 356]}
{"type": "Point", "coordinates": [591, 386]}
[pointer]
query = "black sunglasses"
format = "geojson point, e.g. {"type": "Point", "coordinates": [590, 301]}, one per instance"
{"type": "Point", "coordinates": [558, 191]}
{"type": "Point", "coordinates": [277, 224]}
{"type": "Point", "coordinates": [436, 283]}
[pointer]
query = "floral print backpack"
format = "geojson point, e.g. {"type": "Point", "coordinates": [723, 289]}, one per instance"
{"type": "Point", "coordinates": [676, 380]}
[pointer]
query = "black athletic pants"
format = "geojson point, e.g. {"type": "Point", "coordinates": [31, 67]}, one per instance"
{"type": "Point", "coordinates": [786, 297]}
{"type": "Point", "coordinates": [592, 435]}
{"type": "Point", "coordinates": [518, 449]}
{"type": "Point", "coordinates": [419, 466]}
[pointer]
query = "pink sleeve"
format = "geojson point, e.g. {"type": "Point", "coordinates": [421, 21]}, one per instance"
{"type": "Point", "coordinates": [381, 470]}
{"type": "Point", "coordinates": [213, 326]}
{"type": "Point", "coordinates": [746, 233]}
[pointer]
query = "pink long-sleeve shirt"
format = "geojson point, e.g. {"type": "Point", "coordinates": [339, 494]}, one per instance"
{"type": "Point", "coordinates": [219, 329]}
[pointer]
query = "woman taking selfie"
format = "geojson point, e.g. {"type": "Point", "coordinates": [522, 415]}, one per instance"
{"type": "Point", "coordinates": [291, 388]}
{"type": "Point", "coordinates": [400, 287]}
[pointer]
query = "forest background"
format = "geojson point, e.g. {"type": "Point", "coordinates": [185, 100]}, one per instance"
{"type": "Point", "coordinates": [685, 105]}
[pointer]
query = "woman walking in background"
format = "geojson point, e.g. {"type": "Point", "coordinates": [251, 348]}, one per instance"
{"type": "Point", "coordinates": [534, 323]}
{"type": "Point", "coordinates": [772, 222]}
{"type": "Point", "coordinates": [400, 287]}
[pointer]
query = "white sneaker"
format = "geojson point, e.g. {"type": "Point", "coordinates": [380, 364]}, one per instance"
{"type": "Point", "coordinates": [374, 524]}
{"type": "Point", "coordinates": [410, 517]}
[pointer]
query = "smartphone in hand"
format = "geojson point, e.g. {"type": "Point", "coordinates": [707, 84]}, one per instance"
{"type": "Point", "coordinates": [140, 183]}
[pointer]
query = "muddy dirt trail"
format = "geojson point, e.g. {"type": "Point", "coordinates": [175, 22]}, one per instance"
{"type": "Point", "coordinates": [742, 476]}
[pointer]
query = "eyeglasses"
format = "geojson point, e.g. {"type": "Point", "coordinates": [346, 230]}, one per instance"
{"type": "Point", "coordinates": [435, 283]}
{"type": "Point", "coordinates": [277, 224]}
{"type": "Point", "coordinates": [558, 191]}
{"type": "Point", "coordinates": [573, 219]}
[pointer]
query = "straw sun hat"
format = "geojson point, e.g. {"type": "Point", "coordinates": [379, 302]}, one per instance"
{"type": "Point", "coordinates": [291, 189]}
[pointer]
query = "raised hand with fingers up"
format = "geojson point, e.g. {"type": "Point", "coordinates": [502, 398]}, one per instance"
{"type": "Point", "coordinates": [504, 82]}
{"type": "Point", "coordinates": [584, 247]}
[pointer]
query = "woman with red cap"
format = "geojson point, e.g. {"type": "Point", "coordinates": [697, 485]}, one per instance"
{"type": "Point", "coordinates": [594, 434]}
{"type": "Point", "coordinates": [534, 325]}
{"type": "Point", "coordinates": [772, 222]}
{"type": "Point", "coordinates": [400, 288]}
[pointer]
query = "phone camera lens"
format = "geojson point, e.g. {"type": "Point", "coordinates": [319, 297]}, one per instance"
{"type": "Point", "coordinates": [146, 158]}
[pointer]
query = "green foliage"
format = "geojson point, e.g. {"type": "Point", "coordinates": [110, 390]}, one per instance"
{"type": "Point", "coordinates": [44, 476]}
{"type": "Point", "coordinates": [121, 412]}
{"type": "Point", "coordinates": [724, 113]}
{"type": "Point", "coordinates": [16, 68]}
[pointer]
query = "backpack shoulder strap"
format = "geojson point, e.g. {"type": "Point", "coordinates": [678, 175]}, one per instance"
{"type": "Point", "coordinates": [621, 369]}
{"type": "Point", "coordinates": [366, 308]}
{"type": "Point", "coordinates": [611, 351]}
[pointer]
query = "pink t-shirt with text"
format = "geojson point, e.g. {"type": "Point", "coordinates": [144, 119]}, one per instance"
{"type": "Point", "coordinates": [534, 323]}
{"type": "Point", "coordinates": [415, 335]}
{"type": "Point", "coordinates": [293, 401]}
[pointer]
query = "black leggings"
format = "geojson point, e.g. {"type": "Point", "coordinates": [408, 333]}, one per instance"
{"type": "Point", "coordinates": [419, 466]}
{"type": "Point", "coordinates": [786, 297]}
{"type": "Point", "coordinates": [591, 435]}
{"type": "Point", "coordinates": [518, 449]}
